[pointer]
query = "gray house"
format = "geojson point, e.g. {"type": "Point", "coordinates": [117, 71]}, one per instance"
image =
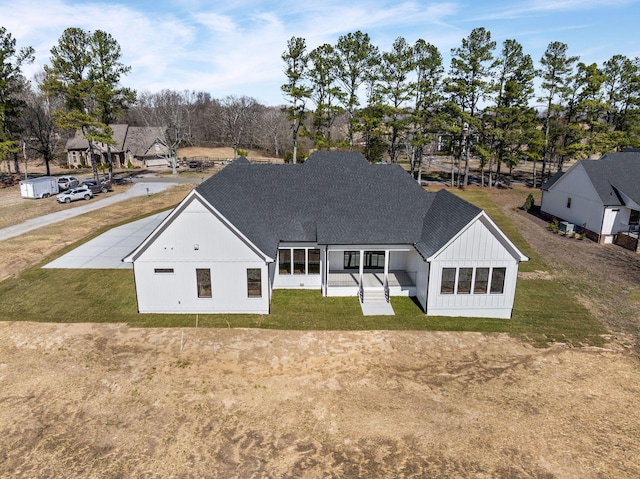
{"type": "Point", "coordinates": [141, 146]}
{"type": "Point", "coordinates": [335, 224]}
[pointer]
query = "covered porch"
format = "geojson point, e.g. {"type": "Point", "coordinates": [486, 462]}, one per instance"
{"type": "Point", "coordinates": [371, 274]}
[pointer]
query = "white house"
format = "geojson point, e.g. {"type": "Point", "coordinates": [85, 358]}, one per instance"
{"type": "Point", "coordinates": [601, 196]}
{"type": "Point", "coordinates": [336, 224]}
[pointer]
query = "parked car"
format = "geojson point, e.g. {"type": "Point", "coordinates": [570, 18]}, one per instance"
{"type": "Point", "coordinates": [195, 164]}
{"type": "Point", "coordinates": [73, 194]}
{"type": "Point", "coordinates": [66, 182]}
{"type": "Point", "coordinates": [95, 187]}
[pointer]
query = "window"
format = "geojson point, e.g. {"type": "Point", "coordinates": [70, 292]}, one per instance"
{"type": "Point", "coordinates": [254, 282]}
{"type": "Point", "coordinates": [299, 261]}
{"type": "Point", "coordinates": [634, 217]}
{"type": "Point", "coordinates": [465, 276]}
{"type": "Point", "coordinates": [497, 280]}
{"type": "Point", "coordinates": [482, 281]}
{"type": "Point", "coordinates": [163, 270]}
{"type": "Point", "coordinates": [372, 260]}
{"type": "Point", "coordinates": [351, 260]}
{"type": "Point", "coordinates": [203, 278]}
{"type": "Point", "coordinates": [314, 261]}
{"type": "Point", "coordinates": [448, 280]}
{"type": "Point", "coordinates": [305, 261]}
{"type": "Point", "coordinates": [284, 261]}
{"type": "Point", "coordinates": [569, 202]}
{"type": "Point", "coordinates": [464, 280]}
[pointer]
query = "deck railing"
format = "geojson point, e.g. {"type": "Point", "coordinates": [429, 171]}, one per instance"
{"type": "Point", "coordinates": [386, 290]}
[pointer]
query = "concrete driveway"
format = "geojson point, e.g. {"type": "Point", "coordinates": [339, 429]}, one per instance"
{"type": "Point", "coordinates": [138, 189]}
{"type": "Point", "coordinates": [107, 250]}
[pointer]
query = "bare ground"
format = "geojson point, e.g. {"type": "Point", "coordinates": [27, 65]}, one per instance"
{"type": "Point", "coordinates": [88, 400]}
{"type": "Point", "coordinates": [96, 400]}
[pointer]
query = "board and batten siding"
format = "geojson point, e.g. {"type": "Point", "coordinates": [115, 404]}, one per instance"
{"type": "Point", "coordinates": [198, 239]}
{"type": "Point", "coordinates": [586, 207]}
{"type": "Point", "coordinates": [476, 247]}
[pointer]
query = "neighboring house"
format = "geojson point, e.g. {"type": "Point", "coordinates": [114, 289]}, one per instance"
{"type": "Point", "coordinates": [600, 196]}
{"type": "Point", "coordinates": [336, 224]}
{"type": "Point", "coordinates": [139, 145]}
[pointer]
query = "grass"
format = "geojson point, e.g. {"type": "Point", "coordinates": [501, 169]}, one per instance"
{"type": "Point", "coordinates": [545, 311]}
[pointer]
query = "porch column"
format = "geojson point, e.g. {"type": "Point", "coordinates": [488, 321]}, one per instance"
{"type": "Point", "coordinates": [361, 265]}
{"type": "Point", "coordinates": [386, 265]}
{"type": "Point", "coordinates": [326, 270]}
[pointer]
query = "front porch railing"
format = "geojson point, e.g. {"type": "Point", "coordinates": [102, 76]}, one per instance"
{"type": "Point", "coordinates": [386, 290]}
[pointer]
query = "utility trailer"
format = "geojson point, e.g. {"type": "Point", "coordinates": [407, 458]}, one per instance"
{"type": "Point", "coordinates": [42, 187]}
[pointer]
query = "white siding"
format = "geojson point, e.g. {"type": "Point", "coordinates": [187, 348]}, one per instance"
{"type": "Point", "coordinates": [476, 247]}
{"type": "Point", "coordinates": [420, 269]}
{"type": "Point", "coordinates": [196, 238]}
{"type": "Point", "coordinates": [586, 206]}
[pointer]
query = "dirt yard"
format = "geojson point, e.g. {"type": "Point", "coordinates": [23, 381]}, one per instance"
{"type": "Point", "coordinates": [96, 400]}
{"type": "Point", "coordinates": [91, 401]}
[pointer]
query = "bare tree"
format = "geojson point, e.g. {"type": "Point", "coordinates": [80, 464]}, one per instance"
{"type": "Point", "coordinates": [40, 133]}
{"type": "Point", "coordinates": [169, 111]}
{"type": "Point", "coordinates": [273, 130]}
{"type": "Point", "coordinates": [238, 118]}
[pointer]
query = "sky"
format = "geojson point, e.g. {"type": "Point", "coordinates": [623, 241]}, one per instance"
{"type": "Point", "coordinates": [234, 47]}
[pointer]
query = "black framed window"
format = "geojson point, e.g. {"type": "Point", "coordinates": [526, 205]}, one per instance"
{"type": "Point", "coordinates": [447, 286]}
{"type": "Point", "coordinates": [497, 280]}
{"type": "Point", "coordinates": [284, 261]}
{"type": "Point", "coordinates": [568, 202]}
{"type": "Point", "coordinates": [203, 280]}
{"type": "Point", "coordinates": [351, 260]}
{"type": "Point", "coordinates": [374, 259]}
{"type": "Point", "coordinates": [481, 282]}
{"type": "Point", "coordinates": [464, 280]}
{"type": "Point", "coordinates": [299, 261]}
{"type": "Point", "coordinates": [314, 261]}
{"type": "Point", "coordinates": [254, 282]}
{"type": "Point", "coordinates": [163, 270]}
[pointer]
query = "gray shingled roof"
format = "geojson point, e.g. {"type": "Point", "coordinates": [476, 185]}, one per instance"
{"type": "Point", "coordinates": [334, 198]}
{"type": "Point", "coordinates": [141, 138]}
{"type": "Point", "coordinates": [615, 173]}
{"type": "Point", "coordinates": [137, 139]}
{"type": "Point", "coordinates": [551, 181]}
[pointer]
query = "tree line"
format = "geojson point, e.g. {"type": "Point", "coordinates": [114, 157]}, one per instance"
{"type": "Point", "coordinates": [393, 104]}
{"type": "Point", "coordinates": [401, 102]}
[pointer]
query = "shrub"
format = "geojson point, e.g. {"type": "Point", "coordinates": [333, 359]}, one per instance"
{"type": "Point", "coordinates": [554, 226]}
{"type": "Point", "coordinates": [529, 202]}
{"type": "Point", "coordinates": [129, 165]}
{"type": "Point", "coordinates": [243, 152]}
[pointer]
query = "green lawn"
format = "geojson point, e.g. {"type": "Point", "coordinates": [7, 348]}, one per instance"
{"type": "Point", "coordinates": [545, 310]}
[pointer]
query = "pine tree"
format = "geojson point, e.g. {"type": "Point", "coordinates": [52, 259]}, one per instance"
{"type": "Point", "coordinates": [468, 83]}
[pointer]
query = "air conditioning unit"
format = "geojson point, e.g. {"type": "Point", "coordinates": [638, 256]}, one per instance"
{"type": "Point", "coordinates": [566, 227]}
